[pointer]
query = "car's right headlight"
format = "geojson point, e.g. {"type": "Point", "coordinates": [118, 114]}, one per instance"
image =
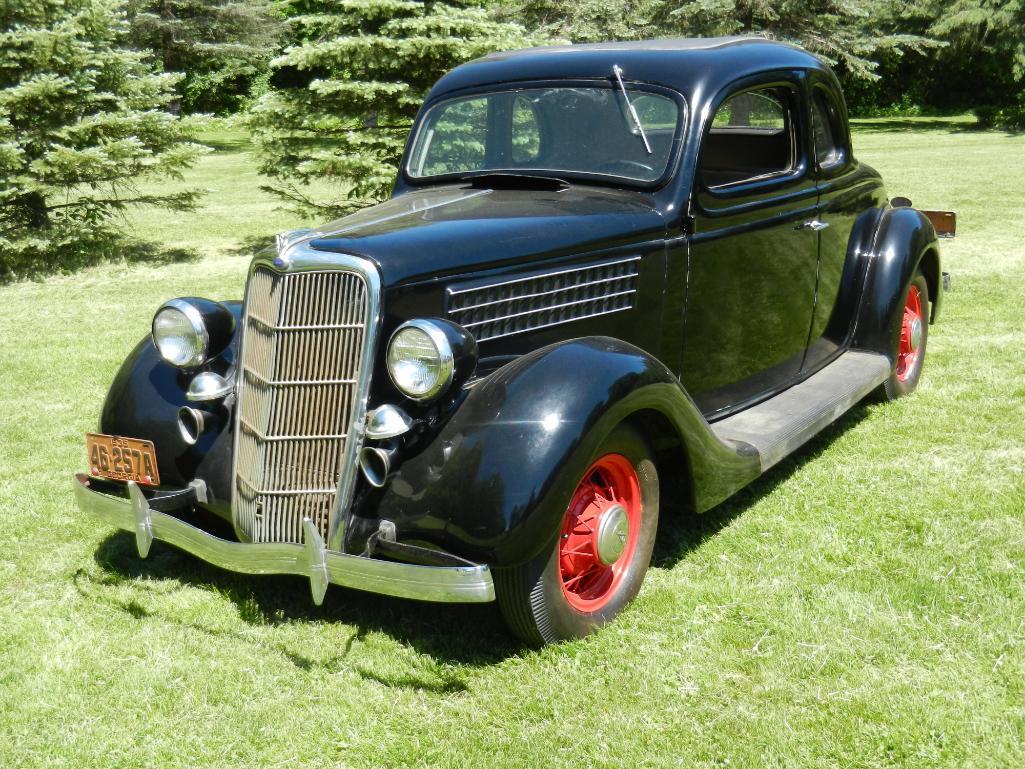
{"type": "Point", "coordinates": [425, 355]}
{"type": "Point", "coordinates": [188, 332]}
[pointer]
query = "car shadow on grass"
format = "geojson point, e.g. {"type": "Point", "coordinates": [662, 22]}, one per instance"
{"type": "Point", "coordinates": [136, 251]}
{"type": "Point", "coordinates": [449, 634]}
{"type": "Point", "coordinates": [467, 635]}
{"type": "Point", "coordinates": [251, 245]}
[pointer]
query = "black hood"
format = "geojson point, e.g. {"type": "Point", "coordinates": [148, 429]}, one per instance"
{"type": "Point", "coordinates": [452, 230]}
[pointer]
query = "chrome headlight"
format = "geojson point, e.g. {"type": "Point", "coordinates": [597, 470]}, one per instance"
{"type": "Point", "coordinates": [188, 332]}
{"type": "Point", "coordinates": [425, 356]}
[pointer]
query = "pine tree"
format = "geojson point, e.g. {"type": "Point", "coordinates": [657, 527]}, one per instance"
{"type": "Point", "coordinates": [584, 21]}
{"type": "Point", "coordinates": [851, 34]}
{"type": "Point", "coordinates": [344, 95]}
{"type": "Point", "coordinates": [81, 122]}
{"type": "Point", "coordinates": [223, 47]}
{"type": "Point", "coordinates": [989, 30]}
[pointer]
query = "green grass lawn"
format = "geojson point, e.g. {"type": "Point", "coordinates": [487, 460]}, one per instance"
{"type": "Point", "coordinates": [862, 605]}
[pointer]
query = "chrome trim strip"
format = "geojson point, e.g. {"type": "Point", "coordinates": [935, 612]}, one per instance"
{"type": "Point", "coordinates": [559, 323]}
{"type": "Point", "coordinates": [500, 318]}
{"type": "Point", "coordinates": [271, 438]}
{"type": "Point", "coordinates": [291, 327]}
{"type": "Point", "coordinates": [288, 240]}
{"type": "Point", "coordinates": [450, 584]}
{"type": "Point", "coordinates": [539, 276]}
{"type": "Point", "coordinates": [535, 301]}
{"type": "Point", "coordinates": [300, 257]}
{"type": "Point", "coordinates": [520, 297]}
{"type": "Point", "coordinates": [397, 215]}
{"type": "Point", "coordinates": [296, 382]}
{"type": "Point", "coordinates": [282, 492]}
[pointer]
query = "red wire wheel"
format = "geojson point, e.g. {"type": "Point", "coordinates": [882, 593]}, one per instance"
{"type": "Point", "coordinates": [599, 552]}
{"type": "Point", "coordinates": [599, 533]}
{"type": "Point", "coordinates": [910, 345]}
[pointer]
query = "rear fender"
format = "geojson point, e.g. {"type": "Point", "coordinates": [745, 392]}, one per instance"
{"type": "Point", "coordinates": [904, 241]}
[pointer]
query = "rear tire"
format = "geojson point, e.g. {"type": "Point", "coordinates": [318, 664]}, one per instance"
{"type": "Point", "coordinates": [596, 562]}
{"type": "Point", "coordinates": [910, 344]}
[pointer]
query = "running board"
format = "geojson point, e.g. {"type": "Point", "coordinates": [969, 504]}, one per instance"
{"type": "Point", "coordinates": [778, 426]}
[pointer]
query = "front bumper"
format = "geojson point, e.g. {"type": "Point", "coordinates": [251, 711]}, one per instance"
{"type": "Point", "coordinates": [450, 584]}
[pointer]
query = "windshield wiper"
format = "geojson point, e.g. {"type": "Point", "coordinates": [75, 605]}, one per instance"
{"type": "Point", "coordinates": [509, 180]}
{"type": "Point", "coordinates": [618, 72]}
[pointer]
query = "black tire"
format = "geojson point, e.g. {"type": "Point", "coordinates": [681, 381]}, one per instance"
{"type": "Point", "coordinates": [532, 598]}
{"type": "Point", "coordinates": [904, 380]}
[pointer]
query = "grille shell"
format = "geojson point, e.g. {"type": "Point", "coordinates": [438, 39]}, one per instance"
{"type": "Point", "coordinates": [521, 305]}
{"type": "Point", "coordinates": [302, 379]}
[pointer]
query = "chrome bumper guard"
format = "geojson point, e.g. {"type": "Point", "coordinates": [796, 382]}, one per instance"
{"type": "Point", "coordinates": [450, 584]}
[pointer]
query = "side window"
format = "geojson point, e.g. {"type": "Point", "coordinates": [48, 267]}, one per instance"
{"type": "Point", "coordinates": [752, 137]}
{"type": "Point", "coordinates": [526, 134]}
{"type": "Point", "coordinates": [825, 124]}
{"type": "Point", "coordinates": [754, 109]}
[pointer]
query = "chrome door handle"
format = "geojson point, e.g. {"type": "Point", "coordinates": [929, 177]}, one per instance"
{"type": "Point", "coordinates": [815, 225]}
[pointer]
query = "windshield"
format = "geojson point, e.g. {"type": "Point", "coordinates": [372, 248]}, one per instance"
{"type": "Point", "coordinates": [559, 131]}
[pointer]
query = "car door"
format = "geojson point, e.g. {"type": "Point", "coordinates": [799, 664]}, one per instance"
{"type": "Point", "coordinates": [847, 191]}
{"type": "Point", "coordinates": [752, 260]}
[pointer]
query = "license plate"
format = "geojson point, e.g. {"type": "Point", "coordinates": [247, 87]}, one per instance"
{"type": "Point", "coordinates": [122, 459]}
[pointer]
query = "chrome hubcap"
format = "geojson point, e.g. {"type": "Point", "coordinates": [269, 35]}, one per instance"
{"type": "Point", "coordinates": [613, 530]}
{"type": "Point", "coordinates": [916, 334]}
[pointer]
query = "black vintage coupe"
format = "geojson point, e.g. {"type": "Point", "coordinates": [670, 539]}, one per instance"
{"type": "Point", "coordinates": [608, 274]}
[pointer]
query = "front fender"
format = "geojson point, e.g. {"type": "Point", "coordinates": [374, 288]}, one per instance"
{"type": "Point", "coordinates": [143, 402]}
{"type": "Point", "coordinates": [904, 241]}
{"type": "Point", "coordinates": [495, 482]}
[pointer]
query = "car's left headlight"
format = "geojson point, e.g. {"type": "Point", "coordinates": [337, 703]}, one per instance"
{"type": "Point", "coordinates": [188, 332]}
{"type": "Point", "coordinates": [426, 355]}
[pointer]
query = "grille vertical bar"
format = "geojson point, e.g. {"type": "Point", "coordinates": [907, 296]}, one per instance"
{"type": "Point", "coordinates": [302, 347]}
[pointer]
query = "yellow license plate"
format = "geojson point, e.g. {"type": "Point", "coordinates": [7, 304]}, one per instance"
{"type": "Point", "coordinates": [122, 459]}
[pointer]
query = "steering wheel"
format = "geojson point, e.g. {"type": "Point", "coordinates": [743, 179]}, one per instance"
{"type": "Point", "coordinates": [611, 165]}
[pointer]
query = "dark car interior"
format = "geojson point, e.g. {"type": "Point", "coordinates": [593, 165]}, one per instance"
{"type": "Point", "coordinates": [584, 130]}
{"type": "Point", "coordinates": [751, 138]}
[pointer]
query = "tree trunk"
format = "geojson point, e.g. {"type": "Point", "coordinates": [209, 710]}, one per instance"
{"type": "Point", "coordinates": [32, 210]}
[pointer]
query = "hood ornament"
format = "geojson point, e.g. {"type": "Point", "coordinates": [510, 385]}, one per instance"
{"type": "Point", "coordinates": [285, 241]}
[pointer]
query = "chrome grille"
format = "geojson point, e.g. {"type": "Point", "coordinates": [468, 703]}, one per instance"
{"type": "Point", "coordinates": [525, 304]}
{"type": "Point", "coordinates": [302, 347]}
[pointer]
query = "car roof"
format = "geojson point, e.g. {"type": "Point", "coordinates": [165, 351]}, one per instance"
{"type": "Point", "coordinates": [687, 65]}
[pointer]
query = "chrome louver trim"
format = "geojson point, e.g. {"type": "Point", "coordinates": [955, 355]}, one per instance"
{"type": "Point", "coordinates": [516, 306]}
{"type": "Point", "coordinates": [308, 338]}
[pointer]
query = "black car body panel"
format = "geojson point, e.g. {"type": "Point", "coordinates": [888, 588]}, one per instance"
{"type": "Point", "coordinates": [727, 295]}
{"type": "Point", "coordinates": [522, 437]}
{"type": "Point", "coordinates": [438, 232]}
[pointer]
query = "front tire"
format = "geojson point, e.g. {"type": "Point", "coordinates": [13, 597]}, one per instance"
{"type": "Point", "coordinates": [909, 347]}
{"type": "Point", "coordinates": [595, 565]}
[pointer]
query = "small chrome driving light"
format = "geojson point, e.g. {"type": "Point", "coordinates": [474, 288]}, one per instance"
{"type": "Point", "coordinates": [387, 421]}
{"type": "Point", "coordinates": [187, 332]}
{"type": "Point", "coordinates": [426, 355]}
{"type": "Point", "coordinates": [208, 386]}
